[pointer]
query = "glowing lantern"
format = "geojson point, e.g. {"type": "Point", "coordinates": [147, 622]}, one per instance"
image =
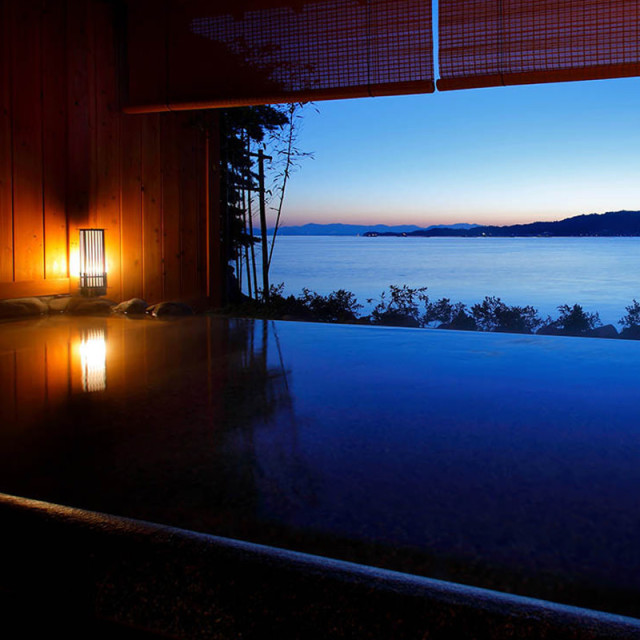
{"type": "Point", "coordinates": [93, 271]}
{"type": "Point", "coordinates": [93, 358]}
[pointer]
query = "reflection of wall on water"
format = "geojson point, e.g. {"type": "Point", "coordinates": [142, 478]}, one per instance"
{"type": "Point", "coordinates": [153, 419]}
{"type": "Point", "coordinates": [44, 362]}
{"type": "Point", "coordinates": [257, 390]}
{"type": "Point", "coordinates": [266, 436]}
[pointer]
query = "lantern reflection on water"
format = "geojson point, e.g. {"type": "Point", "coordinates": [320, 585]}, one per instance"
{"type": "Point", "coordinates": [93, 358]}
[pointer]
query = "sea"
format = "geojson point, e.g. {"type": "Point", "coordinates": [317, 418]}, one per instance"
{"type": "Point", "coordinates": [601, 274]}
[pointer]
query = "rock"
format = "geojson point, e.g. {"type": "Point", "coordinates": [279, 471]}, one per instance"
{"type": "Point", "coordinates": [630, 333]}
{"type": "Point", "coordinates": [20, 307]}
{"type": "Point", "coordinates": [551, 329]}
{"type": "Point", "coordinates": [59, 304]}
{"type": "Point", "coordinates": [164, 309]}
{"type": "Point", "coordinates": [11, 309]}
{"type": "Point", "coordinates": [35, 306]}
{"type": "Point", "coordinates": [131, 307]}
{"type": "Point", "coordinates": [79, 306]}
{"type": "Point", "coordinates": [606, 331]}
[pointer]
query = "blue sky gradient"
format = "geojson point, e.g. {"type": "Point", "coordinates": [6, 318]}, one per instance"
{"type": "Point", "coordinates": [491, 156]}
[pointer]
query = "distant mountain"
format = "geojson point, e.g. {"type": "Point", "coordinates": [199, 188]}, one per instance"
{"type": "Point", "coordinates": [613, 223]}
{"type": "Point", "coordinates": [313, 229]}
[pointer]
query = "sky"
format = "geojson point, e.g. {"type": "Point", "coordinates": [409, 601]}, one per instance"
{"type": "Point", "coordinates": [500, 155]}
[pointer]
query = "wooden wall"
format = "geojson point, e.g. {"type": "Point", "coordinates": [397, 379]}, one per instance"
{"type": "Point", "coordinates": [70, 158]}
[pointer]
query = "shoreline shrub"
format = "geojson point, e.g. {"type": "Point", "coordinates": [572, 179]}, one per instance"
{"type": "Point", "coordinates": [632, 317]}
{"type": "Point", "coordinates": [573, 321]}
{"type": "Point", "coordinates": [492, 314]}
{"type": "Point", "coordinates": [401, 308]}
{"type": "Point", "coordinates": [338, 306]}
{"type": "Point", "coordinates": [450, 316]}
{"type": "Point", "coordinates": [631, 322]}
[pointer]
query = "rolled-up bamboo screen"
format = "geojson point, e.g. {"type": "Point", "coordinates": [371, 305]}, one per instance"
{"type": "Point", "coordinates": [234, 52]}
{"type": "Point", "coordinates": [494, 42]}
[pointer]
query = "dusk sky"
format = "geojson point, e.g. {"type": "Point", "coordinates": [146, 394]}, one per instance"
{"type": "Point", "coordinates": [490, 156]}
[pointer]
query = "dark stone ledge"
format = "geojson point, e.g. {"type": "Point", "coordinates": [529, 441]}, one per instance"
{"type": "Point", "coordinates": [94, 575]}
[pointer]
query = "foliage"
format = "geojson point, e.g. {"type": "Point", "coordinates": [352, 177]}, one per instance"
{"type": "Point", "coordinates": [274, 129]}
{"type": "Point", "coordinates": [286, 159]}
{"type": "Point", "coordinates": [338, 306]}
{"type": "Point", "coordinates": [401, 307]}
{"type": "Point", "coordinates": [575, 320]}
{"type": "Point", "coordinates": [492, 314]}
{"type": "Point", "coordinates": [451, 316]}
{"type": "Point", "coordinates": [241, 127]}
{"type": "Point", "coordinates": [632, 317]}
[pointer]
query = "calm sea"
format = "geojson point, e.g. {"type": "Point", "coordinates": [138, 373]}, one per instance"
{"type": "Point", "coordinates": [601, 274]}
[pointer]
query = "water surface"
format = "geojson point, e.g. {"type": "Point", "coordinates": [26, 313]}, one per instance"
{"type": "Point", "coordinates": [504, 461]}
{"type": "Point", "coordinates": [599, 273]}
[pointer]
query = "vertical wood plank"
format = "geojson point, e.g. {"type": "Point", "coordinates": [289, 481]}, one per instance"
{"type": "Point", "coordinates": [152, 209]}
{"type": "Point", "coordinates": [131, 185]}
{"type": "Point", "coordinates": [54, 138]}
{"type": "Point", "coordinates": [78, 151]}
{"type": "Point", "coordinates": [202, 222]}
{"type": "Point", "coordinates": [6, 180]}
{"type": "Point", "coordinates": [171, 131]}
{"type": "Point", "coordinates": [92, 103]}
{"type": "Point", "coordinates": [108, 143]}
{"type": "Point", "coordinates": [188, 213]}
{"type": "Point", "coordinates": [146, 50]}
{"type": "Point", "coordinates": [26, 72]}
{"type": "Point", "coordinates": [214, 255]}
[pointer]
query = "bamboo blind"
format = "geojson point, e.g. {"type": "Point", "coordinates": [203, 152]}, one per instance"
{"type": "Point", "coordinates": [500, 42]}
{"type": "Point", "coordinates": [229, 52]}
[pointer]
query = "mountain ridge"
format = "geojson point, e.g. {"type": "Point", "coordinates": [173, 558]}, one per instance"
{"type": "Point", "coordinates": [609, 224]}
{"type": "Point", "coordinates": [340, 229]}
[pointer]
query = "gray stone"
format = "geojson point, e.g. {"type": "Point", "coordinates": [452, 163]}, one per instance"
{"type": "Point", "coordinates": [59, 304]}
{"type": "Point", "coordinates": [19, 307]}
{"type": "Point", "coordinates": [79, 306]}
{"type": "Point", "coordinates": [551, 329]}
{"type": "Point", "coordinates": [606, 331]}
{"type": "Point", "coordinates": [163, 309]}
{"type": "Point", "coordinates": [131, 307]}
{"type": "Point", "coordinates": [630, 333]}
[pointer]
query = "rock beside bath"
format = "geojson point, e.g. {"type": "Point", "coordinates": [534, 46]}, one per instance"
{"type": "Point", "coordinates": [135, 306]}
{"type": "Point", "coordinates": [58, 304]}
{"type": "Point", "coordinates": [79, 306]}
{"type": "Point", "coordinates": [165, 309]}
{"type": "Point", "coordinates": [17, 307]}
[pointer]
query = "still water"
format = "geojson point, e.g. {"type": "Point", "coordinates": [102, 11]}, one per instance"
{"type": "Point", "coordinates": [602, 274]}
{"type": "Point", "coordinates": [503, 461]}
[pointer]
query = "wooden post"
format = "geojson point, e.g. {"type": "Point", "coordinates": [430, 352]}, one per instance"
{"type": "Point", "coordinates": [216, 272]}
{"type": "Point", "coordinates": [263, 227]}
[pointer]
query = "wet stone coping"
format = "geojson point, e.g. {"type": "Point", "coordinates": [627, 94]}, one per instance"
{"type": "Point", "coordinates": [68, 565]}
{"type": "Point", "coordinates": [82, 306]}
